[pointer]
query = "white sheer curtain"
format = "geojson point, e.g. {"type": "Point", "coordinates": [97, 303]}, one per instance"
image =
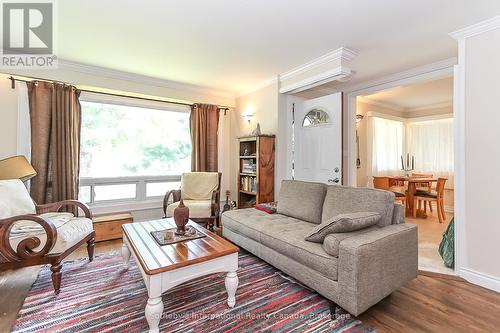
{"type": "Point", "coordinates": [385, 147]}
{"type": "Point", "coordinates": [431, 142]}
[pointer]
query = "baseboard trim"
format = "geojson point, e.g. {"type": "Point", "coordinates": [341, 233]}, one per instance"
{"type": "Point", "coordinates": [480, 279]}
{"type": "Point", "coordinates": [441, 275]}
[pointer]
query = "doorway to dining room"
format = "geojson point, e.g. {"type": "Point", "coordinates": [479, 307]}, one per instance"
{"type": "Point", "coordinates": [404, 139]}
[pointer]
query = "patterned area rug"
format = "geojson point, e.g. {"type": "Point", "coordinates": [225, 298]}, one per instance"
{"type": "Point", "coordinates": [99, 297]}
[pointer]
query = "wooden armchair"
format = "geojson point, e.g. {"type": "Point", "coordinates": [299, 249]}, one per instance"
{"type": "Point", "coordinates": [32, 234]}
{"type": "Point", "coordinates": [200, 192]}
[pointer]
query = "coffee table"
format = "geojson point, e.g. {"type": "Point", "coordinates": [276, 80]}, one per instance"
{"type": "Point", "coordinates": [164, 267]}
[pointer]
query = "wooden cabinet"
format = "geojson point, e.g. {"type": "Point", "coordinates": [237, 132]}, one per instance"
{"type": "Point", "coordinates": [108, 227]}
{"type": "Point", "coordinates": [256, 170]}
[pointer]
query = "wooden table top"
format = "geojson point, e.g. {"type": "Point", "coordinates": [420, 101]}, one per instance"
{"type": "Point", "coordinates": [414, 179]}
{"type": "Point", "coordinates": [155, 259]}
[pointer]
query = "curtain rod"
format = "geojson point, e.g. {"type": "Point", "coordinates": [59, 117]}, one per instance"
{"type": "Point", "coordinates": [14, 79]}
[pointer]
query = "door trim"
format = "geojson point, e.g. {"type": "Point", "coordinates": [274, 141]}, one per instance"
{"type": "Point", "coordinates": [432, 71]}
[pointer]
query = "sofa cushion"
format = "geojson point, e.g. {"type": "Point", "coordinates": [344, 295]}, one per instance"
{"type": "Point", "coordinates": [251, 222]}
{"type": "Point", "coordinates": [197, 208]}
{"type": "Point", "coordinates": [199, 185]}
{"type": "Point", "coordinates": [342, 223]}
{"type": "Point", "coordinates": [288, 239]}
{"type": "Point", "coordinates": [68, 233]}
{"type": "Point", "coordinates": [302, 200]}
{"type": "Point", "coordinates": [14, 199]}
{"type": "Point", "coordinates": [331, 244]}
{"type": "Point", "coordinates": [283, 234]}
{"type": "Point", "coordinates": [344, 200]}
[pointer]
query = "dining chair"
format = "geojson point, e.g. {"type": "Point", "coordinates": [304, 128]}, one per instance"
{"type": "Point", "coordinates": [423, 187]}
{"type": "Point", "coordinates": [384, 183]}
{"type": "Point", "coordinates": [437, 197]}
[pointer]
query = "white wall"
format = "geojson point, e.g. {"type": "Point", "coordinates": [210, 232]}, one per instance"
{"type": "Point", "coordinates": [479, 231]}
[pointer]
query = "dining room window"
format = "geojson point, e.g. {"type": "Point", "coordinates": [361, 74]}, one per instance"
{"type": "Point", "coordinates": [431, 142]}
{"type": "Point", "coordinates": [386, 145]}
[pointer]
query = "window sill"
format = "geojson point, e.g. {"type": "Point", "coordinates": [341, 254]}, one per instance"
{"type": "Point", "coordinates": [126, 206]}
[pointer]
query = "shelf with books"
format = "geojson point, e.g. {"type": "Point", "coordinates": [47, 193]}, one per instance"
{"type": "Point", "coordinates": [256, 170]}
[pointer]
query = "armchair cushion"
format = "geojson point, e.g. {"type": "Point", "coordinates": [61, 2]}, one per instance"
{"type": "Point", "coordinates": [26, 227]}
{"type": "Point", "coordinates": [199, 185]}
{"type": "Point", "coordinates": [15, 199]}
{"type": "Point", "coordinates": [70, 230]}
{"type": "Point", "coordinates": [197, 208]}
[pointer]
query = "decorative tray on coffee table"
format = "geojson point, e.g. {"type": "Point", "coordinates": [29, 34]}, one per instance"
{"type": "Point", "coordinates": [160, 236]}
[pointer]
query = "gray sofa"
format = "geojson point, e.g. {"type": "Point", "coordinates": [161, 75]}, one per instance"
{"type": "Point", "coordinates": [371, 263]}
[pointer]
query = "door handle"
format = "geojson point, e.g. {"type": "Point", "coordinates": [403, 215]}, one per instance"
{"type": "Point", "coordinates": [336, 180]}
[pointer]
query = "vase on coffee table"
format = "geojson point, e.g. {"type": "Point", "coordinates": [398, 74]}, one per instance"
{"type": "Point", "coordinates": [181, 218]}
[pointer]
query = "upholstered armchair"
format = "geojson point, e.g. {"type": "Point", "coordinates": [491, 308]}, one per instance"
{"type": "Point", "coordinates": [32, 234]}
{"type": "Point", "coordinates": [200, 192]}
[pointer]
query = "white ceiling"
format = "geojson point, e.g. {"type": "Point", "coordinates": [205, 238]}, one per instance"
{"type": "Point", "coordinates": [430, 94]}
{"type": "Point", "coordinates": [235, 45]}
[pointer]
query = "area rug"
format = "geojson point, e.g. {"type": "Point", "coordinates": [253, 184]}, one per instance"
{"type": "Point", "coordinates": [100, 297]}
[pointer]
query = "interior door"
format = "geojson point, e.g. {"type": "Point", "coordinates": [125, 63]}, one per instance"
{"type": "Point", "coordinates": [318, 139]}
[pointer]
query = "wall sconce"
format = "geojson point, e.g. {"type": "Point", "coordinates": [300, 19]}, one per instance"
{"type": "Point", "coordinates": [248, 117]}
{"type": "Point", "coordinates": [248, 114]}
{"type": "Point", "coordinates": [359, 117]}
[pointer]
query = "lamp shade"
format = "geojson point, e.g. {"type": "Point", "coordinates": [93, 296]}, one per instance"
{"type": "Point", "coordinates": [16, 167]}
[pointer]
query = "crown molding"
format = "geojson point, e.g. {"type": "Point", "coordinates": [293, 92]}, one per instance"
{"type": "Point", "coordinates": [337, 74]}
{"type": "Point", "coordinates": [399, 108]}
{"type": "Point", "coordinates": [343, 54]}
{"type": "Point", "coordinates": [385, 105]}
{"type": "Point", "coordinates": [138, 78]}
{"type": "Point", "coordinates": [258, 86]}
{"type": "Point", "coordinates": [443, 68]}
{"type": "Point", "coordinates": [431, 106]}
{"type": "Point", "coordinates": [476, 29]}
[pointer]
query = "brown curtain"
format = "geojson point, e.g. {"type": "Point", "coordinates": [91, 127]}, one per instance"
{"type": "Point", "coordinates": [55, 116]}
{"type": "Point", "coordinates": [204, 124]}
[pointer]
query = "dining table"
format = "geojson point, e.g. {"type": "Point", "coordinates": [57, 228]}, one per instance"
{"type": "Point", "coordinates": [412, 189]}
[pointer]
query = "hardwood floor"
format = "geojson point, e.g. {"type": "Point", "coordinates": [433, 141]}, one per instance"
{"type": "Point", "coordinates": [432, 304]}
{"type": "Point", "coordinates": [426, 304]}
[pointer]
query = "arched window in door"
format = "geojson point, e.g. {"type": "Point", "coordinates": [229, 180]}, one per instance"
{"type": "Point", "coordinates": [315, 117]}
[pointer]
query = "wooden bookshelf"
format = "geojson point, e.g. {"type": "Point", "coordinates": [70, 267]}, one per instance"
{"type": "Point", "coordinates": [256, 170]}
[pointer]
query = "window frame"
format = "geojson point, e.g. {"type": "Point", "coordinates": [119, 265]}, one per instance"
{"type": "Point", "coordinates": [140, 182]}
{"type": "Point", "coordinates": [141, 200]}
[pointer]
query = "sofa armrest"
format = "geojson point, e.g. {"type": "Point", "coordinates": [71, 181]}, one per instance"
{"type": "Point", "coordinates": [398, 215]}
{"type": "Point", "coordinates": [374, 264]}
{"type": "Point", "coordinates": [56, 207]}
{"type": "Point", "coordinates": [176, 195]}
{"type": "Point", "coordinates": [26, 246]}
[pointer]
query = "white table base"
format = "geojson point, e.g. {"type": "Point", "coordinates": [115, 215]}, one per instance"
{"type": "Point", "coordinates": [159, 283]}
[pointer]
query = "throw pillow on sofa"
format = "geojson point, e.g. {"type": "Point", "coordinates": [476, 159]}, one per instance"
{"type": "Point", "coordinates": [343, 223]}
{"type": "Point", "coordinates": [302, 200]}
{"type": "Point", "coordinates": [331, 244]}
{"type": "Point", "coordinates": [269, 207]}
